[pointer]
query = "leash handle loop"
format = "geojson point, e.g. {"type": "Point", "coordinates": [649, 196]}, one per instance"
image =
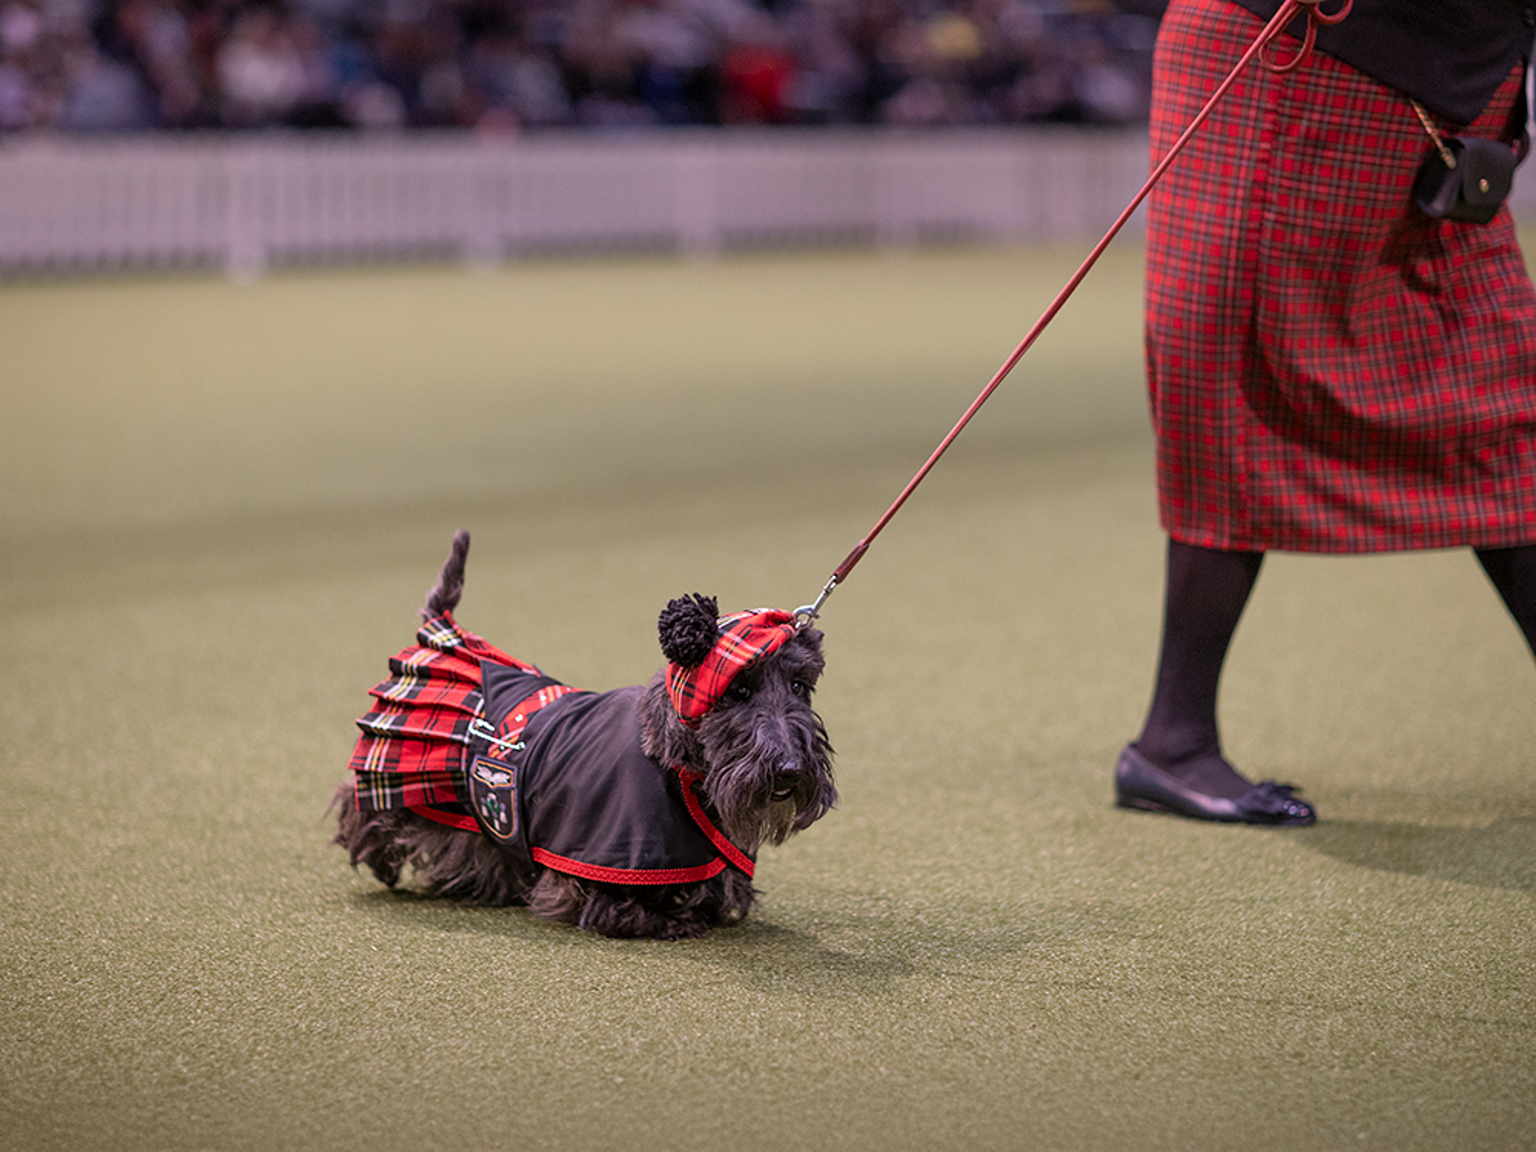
{"type": "Point", "coordinates": [1316, 17]}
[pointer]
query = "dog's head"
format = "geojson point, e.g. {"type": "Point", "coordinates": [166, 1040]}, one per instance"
{"type": "Point", "coordinates": [734, 703]}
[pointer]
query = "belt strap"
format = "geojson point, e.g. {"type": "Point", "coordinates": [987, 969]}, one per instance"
{"type": "Point", "coordinates": [507, 736]}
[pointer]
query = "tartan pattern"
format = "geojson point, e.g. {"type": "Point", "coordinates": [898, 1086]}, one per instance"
{"type": "Point", "coordinates": [516, 721]}
{"type": "Point", "coordinates": [744, 638]}
{"type": "Point", "coordinates": [414, 747]}
{"type": "Point", "coordinates": [1328, 369]}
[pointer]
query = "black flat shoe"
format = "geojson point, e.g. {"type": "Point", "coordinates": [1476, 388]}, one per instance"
{"type": "Point", "coordinates": [1141, 784]}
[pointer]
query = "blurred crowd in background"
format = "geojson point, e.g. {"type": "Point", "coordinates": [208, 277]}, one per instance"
{"type": "Point", "coordinates": [505, 65]}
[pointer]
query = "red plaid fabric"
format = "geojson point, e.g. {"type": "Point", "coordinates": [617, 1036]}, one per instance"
{"type": "Point", "coordinates": [1329, 370]}
{"type": "Point", "coordinates": [744, 638]}
{"type": "Point", "coordinates": [515, 722]}
{"type": "Point", "coordinates": [412, 750]}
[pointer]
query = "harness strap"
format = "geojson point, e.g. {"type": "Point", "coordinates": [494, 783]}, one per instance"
{"type": "Point", "coordinates": [507, 736]}
{"type": "Point", "coordinates": [722, 843]}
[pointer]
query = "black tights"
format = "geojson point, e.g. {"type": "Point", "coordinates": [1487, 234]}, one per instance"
{"type": "Point", "coordinates": [1513, 572]}
{"type": "Point", "coordinates": [1206, 592]}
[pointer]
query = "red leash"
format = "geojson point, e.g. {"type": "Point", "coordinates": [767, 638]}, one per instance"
{"type": "Point", "coordinates": [1288, 11]}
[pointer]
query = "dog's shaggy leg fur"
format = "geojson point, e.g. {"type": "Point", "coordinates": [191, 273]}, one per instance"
{"type": "Point", "coordinates": [468, 869]}
{"type": "Point", "coordinates": [450, 864]}
{"type": "Point", "coordinates": [673, 912]}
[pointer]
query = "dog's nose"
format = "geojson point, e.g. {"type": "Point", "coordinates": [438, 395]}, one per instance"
{"type": "Point", "coordinates": [788, 779]}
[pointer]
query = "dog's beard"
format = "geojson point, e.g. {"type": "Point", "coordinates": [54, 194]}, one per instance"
{"type": "Point", "coordinates": [767, 777]}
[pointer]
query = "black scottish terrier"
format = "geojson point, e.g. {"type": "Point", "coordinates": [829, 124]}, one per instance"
{"type": "Point", "coordinates": [632, 813]}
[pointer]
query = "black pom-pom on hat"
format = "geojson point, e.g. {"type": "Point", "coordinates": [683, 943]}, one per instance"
{"type": "Point", "coordinates": [689, 627]}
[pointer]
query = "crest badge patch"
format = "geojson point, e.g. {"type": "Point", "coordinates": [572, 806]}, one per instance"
{"type": "Point", "coordinates": [493, 791]}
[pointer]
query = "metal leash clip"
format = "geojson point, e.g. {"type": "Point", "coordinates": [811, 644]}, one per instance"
{"type": "Point", "coordinates": [481, 730]}
{"type": "Point", "coordinates": [808, 612]}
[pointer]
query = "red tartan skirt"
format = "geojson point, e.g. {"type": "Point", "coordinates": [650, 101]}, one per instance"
{"type": "Point", "coordinates": [1329, 370]}
{"type": "Point", "coordinates": [415, 740]}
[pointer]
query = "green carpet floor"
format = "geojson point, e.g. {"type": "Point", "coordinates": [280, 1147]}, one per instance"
{"type": "Point", "coordinates": [221, 505]}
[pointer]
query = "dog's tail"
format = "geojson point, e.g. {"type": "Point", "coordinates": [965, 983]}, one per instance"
{"type": "Point", "coordinates": [444, 596]}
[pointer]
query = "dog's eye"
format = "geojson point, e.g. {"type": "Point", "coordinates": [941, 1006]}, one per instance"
{"type": "Point", "coordinates": [802, 689]}
{"type": "Point", "coordinates": [739, 692]}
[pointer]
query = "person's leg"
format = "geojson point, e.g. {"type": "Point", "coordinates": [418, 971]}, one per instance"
{"type": "Point", "coordinates": [1206, 592]}
{"type": "Point", "coordinates": [1513, 572]}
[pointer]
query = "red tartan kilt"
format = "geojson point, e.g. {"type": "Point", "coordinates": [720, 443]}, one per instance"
{"type": "Point", "coordinates": [415, 738]}
{"type": "Point", "coordinates": [1329, 370]}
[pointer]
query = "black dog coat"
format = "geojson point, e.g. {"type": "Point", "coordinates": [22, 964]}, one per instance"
{"type": "Point", "coordinates": [555, 777]}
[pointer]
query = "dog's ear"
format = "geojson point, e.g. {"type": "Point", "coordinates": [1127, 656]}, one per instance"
{"type": "Point", "coordinates": [689, 627]}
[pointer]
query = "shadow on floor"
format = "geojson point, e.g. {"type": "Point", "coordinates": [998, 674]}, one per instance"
{"type": "Point", "coordinates": [1501, 855]}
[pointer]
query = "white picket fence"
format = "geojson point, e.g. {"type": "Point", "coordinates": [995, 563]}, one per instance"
{"type": "Point", "coordinates": [247, 203]}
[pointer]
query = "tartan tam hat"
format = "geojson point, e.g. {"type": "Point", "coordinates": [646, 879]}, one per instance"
{"type": "Point", "coordinates": [705, 652]}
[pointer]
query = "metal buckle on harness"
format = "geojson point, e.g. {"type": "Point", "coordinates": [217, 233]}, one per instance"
{"type": "Point", "coordinates": [481, 730]}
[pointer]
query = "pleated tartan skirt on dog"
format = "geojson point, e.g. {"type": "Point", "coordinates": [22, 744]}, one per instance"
{"type": "Point", "coordinates": [1329, 369]}
{"type": "Point", "coordinates": [414, 748]}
